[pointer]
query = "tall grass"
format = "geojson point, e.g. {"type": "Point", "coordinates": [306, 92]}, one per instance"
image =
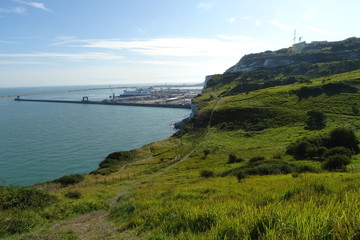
{"type": "Point", "coordinates": [280, 207]}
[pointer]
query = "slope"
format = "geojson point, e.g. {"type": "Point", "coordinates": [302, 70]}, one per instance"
{"type": "Point", "coordinates": [226, 175]}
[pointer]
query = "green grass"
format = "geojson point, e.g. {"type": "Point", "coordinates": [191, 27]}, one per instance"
{"type": "Point", "coordinates": [269, 207]}
{"type": "Point", "coordinates": [185, 188]}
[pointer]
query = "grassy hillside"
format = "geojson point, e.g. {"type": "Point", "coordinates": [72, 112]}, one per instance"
{"type": "Point", "coordinates": [249, 165]}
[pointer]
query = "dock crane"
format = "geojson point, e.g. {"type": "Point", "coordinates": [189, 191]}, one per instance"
{"type": "Point", "coordinates": [113, 94]}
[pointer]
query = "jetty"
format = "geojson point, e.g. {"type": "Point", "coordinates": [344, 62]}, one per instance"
{"type": "Point", "coordinates": [85, 100]}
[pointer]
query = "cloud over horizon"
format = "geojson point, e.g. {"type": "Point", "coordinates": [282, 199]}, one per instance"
{"type": "Point", "coordinates": [171, 46]}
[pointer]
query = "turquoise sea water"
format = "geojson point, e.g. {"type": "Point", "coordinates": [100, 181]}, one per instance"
{"type": "Point", "coordinates": [44, 141]}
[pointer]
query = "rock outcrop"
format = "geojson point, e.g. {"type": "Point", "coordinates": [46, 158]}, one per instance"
{"type": "Point", "coordinates": [314, 52]}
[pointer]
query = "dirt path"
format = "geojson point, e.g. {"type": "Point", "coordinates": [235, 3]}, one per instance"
{"type": "Point", "coordinates": [96, 225]}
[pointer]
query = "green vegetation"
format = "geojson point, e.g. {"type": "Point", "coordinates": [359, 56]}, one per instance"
{"type": "Point", "coordinates": [234, 159]}
{"type": "Point", "coordinates": [270, 154]}
{"type": "Point", "coordinates": [315, 120]}
{"type": "Point", "coordinates": [206, 173]}
{"type": "Point", "coordinates": [114, 161]}
{"type": "Point", "coordinates": [73, 194]}
{"type": "Point", "coordinates": [23, 198]}
{"type": "Point", "coordinates": [70, 179]}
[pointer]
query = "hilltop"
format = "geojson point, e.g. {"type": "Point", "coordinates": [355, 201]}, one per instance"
{"type": "Point", "coordinates": [270, 153]}
{"type": "Point", "coordinates": [314, 52]}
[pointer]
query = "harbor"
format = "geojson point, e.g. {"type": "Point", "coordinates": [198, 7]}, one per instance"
{"type": "Point", "coordinates": [144, 97]}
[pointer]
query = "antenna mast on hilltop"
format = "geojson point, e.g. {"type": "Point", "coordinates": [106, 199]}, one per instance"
{"type": "Point", "coordinates": [294, 36]}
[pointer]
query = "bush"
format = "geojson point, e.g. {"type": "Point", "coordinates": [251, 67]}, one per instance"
{"type": "Point", "coordinates": [344, 137]}
{"type": "Point", "coordinates": [70, 179]}
{"type": "Point", "coordinates": [23, 198]}
{"type": "Point", "coordinates": [269, 168]}
{"type": "Point", "coordinates": [240, 176]}
{"type": "Point", "coordinates": [305, 149]}
{"type": "Point", "coordinates": [18, 222]}
{"type": "Point", "coordinates": [306, 92]}
{"type": "Point", "coordinates": [338, 151]}
{"type": "Point", "coordinates": [301, 149]}
{"type": "Point", "coordinates": [116, 158]}
{"type": "Point", "coordinates": [341, 141]}
{"type": "Point", "coordinates": [336, 162]}
{"type": "Point", "coordinates": [256, 159]}
{"type": "Point", "coordinates": [206, 173]}
{"type": "Point", "coordinates": [73, 195]}
{"type": "Point", "coordinates": [234, 159]}
{"type": "Point", "coordinates": [206, 152]}
{"type": "Point", "coordinates": [315, 120]}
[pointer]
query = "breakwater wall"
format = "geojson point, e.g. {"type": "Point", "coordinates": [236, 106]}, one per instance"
{"type": "Point", "coordinates": [166, 105]}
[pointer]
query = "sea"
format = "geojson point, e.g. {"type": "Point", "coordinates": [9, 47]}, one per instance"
{"type": "Point", "coordinates": [41, 141]}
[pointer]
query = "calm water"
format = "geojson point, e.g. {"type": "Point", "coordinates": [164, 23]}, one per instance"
{"type": "Point", "coordinates": [44, 141]}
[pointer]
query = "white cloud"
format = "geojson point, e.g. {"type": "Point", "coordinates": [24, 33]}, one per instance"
{"type": "Point", "coordinates": [280, 25]}
{"type": "Point", "coordinates": [205, 6]}
{"type": "Point", "coordinates": [6, 62]}
{"type": "Point", "coordinates": [232, 20]}
{"type": "Point", "coordinates": [66, 56]}
{"type": "Point", "coordinates": [17, 10]}
{"type": "Point", "coordinates": [310, 14]}
{"type": "Point", "coordinates": [37, 5]}
{"type": "Point", "coordinates": [222, 46]}
{"type": "Point", "coordinates": [319, 30]}
{"type": "Point", "coordinates": [237, 38]}
{"type": "Point", "coordinates": [258, 22]}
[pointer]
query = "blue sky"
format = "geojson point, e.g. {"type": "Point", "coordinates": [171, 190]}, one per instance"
{"type": "Point", "coordinates": [78, 42]}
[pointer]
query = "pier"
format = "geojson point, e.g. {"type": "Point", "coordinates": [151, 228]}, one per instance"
{"type": "Point", "coordinates": [117, 103]}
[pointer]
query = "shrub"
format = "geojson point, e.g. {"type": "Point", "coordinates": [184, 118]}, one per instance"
{"type": "Point", "coordinates": [117, 158]}
{"type": "Point", "coordinates": [316, 147]}
{"type": "Point", "coordinates": [73, 194]}
{"type": "Point", "coordinates": [305, 149]}
{"type": "Point", "coordinates": [206, 152]}
{"type": "Point", "coordinates": [18, 222]}
{"type": "Point", "coordinates": [206, 173]}
{"type": "Point", "coordinates": [338, 151]}
{"type": "Point", "coordinates": [306, 92]}
{"type": "Point", "coordinates": [269, 168]}
{"type": "Point", "coordinates": [344, 137]}
{"type": "Point", "coordinates": [256, 159]}
{"type": "Point", "coordinates": [234, 159]}
{"type": "Point", "coordinates": [240, 176]}
{"type": "Point", "coordinates": [336, 88]}
{"type": "Point", "coordinates": [315, 120]}
{"type": "Point", "coordinates": [70, 179]}
{"type": "Point", "coordinates": [336, 162]}
{"type": "Point", "coordinates": [301, 149]}
{"type": "Point", "coordinates": [23, 198]}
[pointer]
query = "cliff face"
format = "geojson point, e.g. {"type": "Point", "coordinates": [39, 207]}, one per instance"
{"type": "Point", "coordinates": [314, 52]}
